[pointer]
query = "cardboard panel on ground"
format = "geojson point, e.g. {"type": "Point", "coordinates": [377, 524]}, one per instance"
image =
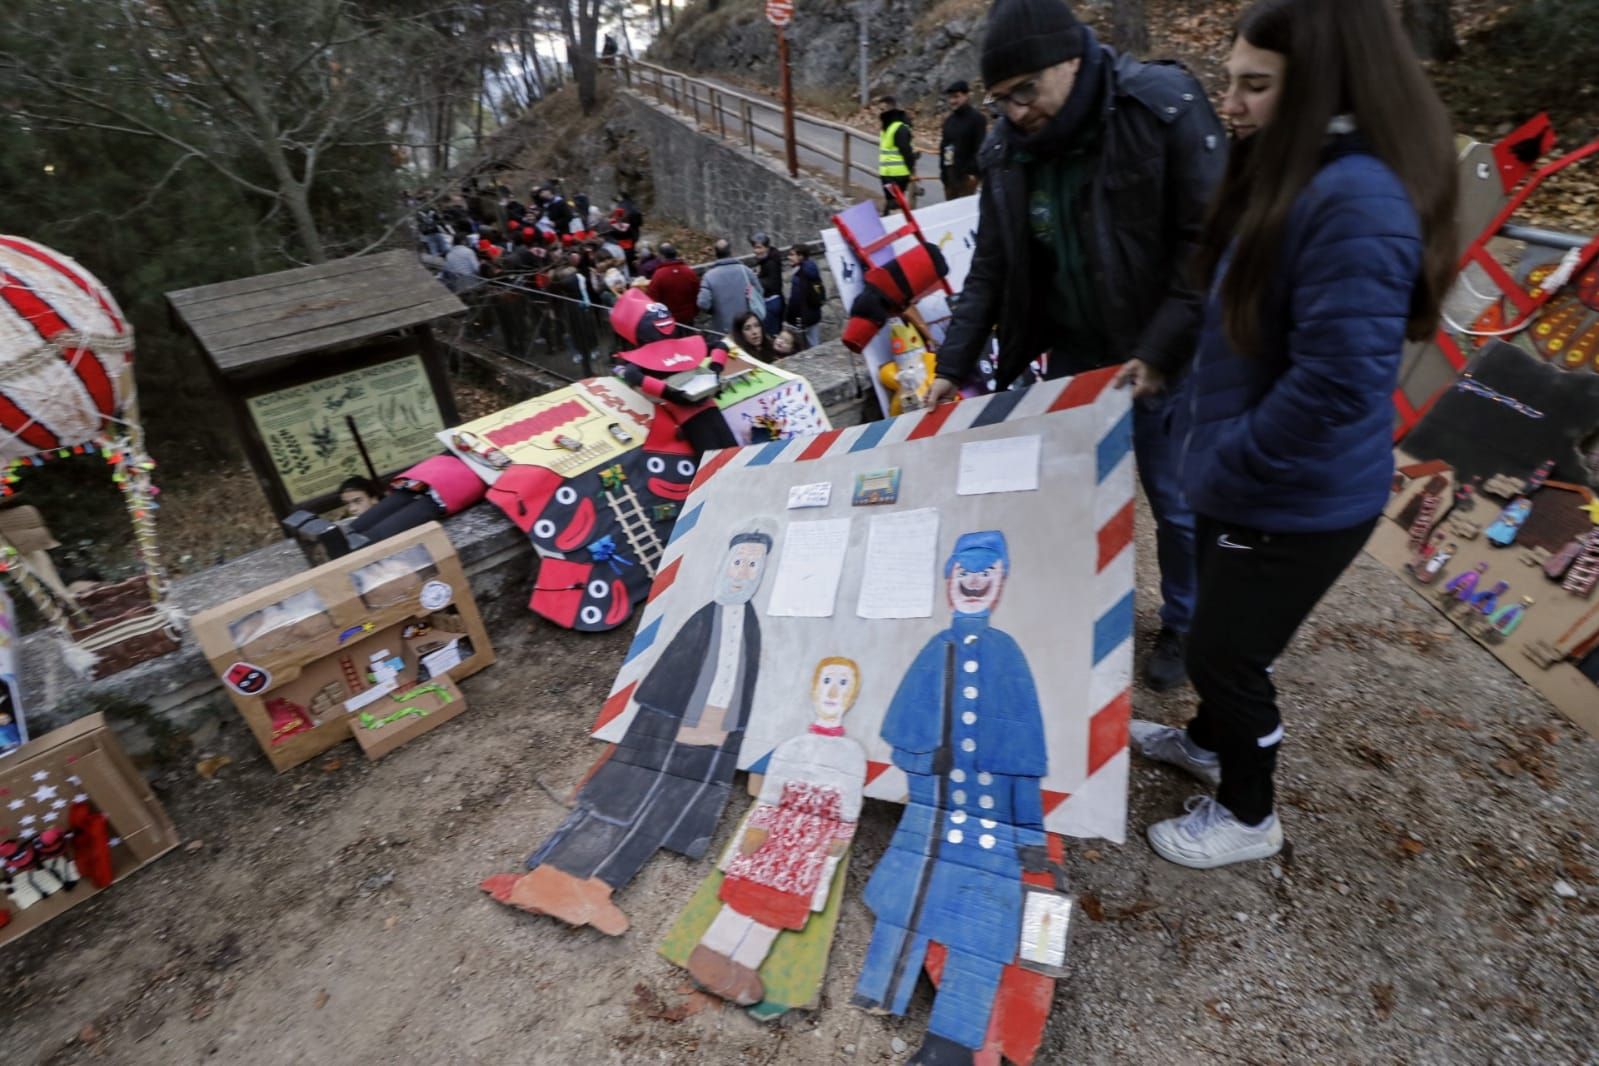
{"type": "Point", "coordinates": [76, 763]}
{"type": "Point", "coordinates": [973, 565]}
{"type": "Point", "coordinates": [1490, 432]}
{"type": "Point", "coordinates": [306, 658]}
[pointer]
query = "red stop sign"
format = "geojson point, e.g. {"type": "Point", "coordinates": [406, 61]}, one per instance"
{"type": "Point", "coordinates": [780, 12]}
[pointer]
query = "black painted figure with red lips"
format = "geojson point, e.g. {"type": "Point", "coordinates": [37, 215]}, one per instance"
{"type": "Point", "coordinates": [600, 534]}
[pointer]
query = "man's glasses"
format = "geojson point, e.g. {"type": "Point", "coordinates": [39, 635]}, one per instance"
{"type": "Point", "coordinates": [1024, 95]}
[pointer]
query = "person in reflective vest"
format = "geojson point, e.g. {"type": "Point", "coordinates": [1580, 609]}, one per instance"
{"type": "Point", "coordinates": [896, 158]}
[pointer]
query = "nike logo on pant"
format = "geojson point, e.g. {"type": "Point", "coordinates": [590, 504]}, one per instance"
{"type": "Point", "coordinates": [1225, 541]}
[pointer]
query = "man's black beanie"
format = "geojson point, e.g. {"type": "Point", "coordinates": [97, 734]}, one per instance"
{"type": "Point", "coordinates": [1026, 36]}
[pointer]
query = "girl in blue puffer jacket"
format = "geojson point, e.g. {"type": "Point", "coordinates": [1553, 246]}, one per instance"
{"type": "Point", "coordinates": [1329, 244]}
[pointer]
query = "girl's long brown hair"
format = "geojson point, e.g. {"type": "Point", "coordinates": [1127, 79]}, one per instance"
{"type": "Point", "coordinates": [1343, 57]}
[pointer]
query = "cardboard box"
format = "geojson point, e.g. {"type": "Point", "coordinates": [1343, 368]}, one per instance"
{"type": "Point", "coordinates": [81, 759]}
{"type": "Point", "coordinates": [303, 657]}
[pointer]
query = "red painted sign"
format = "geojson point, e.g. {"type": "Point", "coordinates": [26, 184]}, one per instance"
{"type": "Point", "coordinates": [780, 12]}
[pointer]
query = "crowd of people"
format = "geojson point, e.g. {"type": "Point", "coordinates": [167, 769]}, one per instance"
{"type": "Point", "coordinates": [491, 248]}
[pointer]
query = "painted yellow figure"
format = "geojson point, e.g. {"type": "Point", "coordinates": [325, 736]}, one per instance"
{"type": "Point", "coordinates": [909, 375]}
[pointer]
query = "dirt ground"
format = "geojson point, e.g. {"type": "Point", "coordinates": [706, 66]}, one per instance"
{"type": "Point", "coordinates": [1438, 905]}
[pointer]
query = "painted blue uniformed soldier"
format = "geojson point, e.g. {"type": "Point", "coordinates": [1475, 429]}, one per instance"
{"type": "Point", "coordinates": [965, 727]}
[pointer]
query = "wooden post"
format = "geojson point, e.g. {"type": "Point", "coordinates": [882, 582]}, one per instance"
{"type": "Point", "coordinates": [716, 104]}
{"type": "Point", "coordinates": [749, 124]}
{"type": "Point", "coordinates": [844, 180]}
{"type": "Point", "coordinates": [788, 103]}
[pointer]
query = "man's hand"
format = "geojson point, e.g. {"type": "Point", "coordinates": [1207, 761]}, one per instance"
{"type": "Point", "coordinates": [942, 390]}
{"type": "Point", "coordinates": [1144, 379]}
{"type": "Point", "coordinates": [630, 374]}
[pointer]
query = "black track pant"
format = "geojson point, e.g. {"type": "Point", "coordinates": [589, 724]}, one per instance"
{"type": "Point", "coordinates": [1254, 590]}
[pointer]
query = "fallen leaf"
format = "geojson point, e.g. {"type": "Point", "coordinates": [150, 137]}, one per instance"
{"type": "Point", "coordinates": [194, 845]}
{"type": "Point", "coordinates": [1092, 855]}
{"type": "Point", "coordinates": [321, 1000]}
{"type": "Point", "coordinates": [1091, 906]}
{"type": "Point", "coordinates": [331, 765]}
{"type": "Point", "coordinates": [1547, 735]}
{"type": "Point", "coordinates": [88, 1034]}
{"type": "Point", "coordinates": [1382, 999]}
{"type": "Point", "coordinates": [1411, 846]}
{"type": "Point", "coordinates": [1507, 767]}
{"type": "Point", "coordinates": [390, 922]}
{"type": "Point", "coordinates": [199, 1012]}
{"type": "Point", "coordinates": [207, 768]}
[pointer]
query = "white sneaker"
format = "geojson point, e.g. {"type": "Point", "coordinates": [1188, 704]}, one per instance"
{"type": "Point", "coordinates": [1209, 836]}
{"type": "Point", "coordinates": [1169, 744]}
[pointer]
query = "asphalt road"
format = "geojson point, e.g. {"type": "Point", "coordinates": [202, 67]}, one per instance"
{"type": "Point", "coordinates": [819, 143]}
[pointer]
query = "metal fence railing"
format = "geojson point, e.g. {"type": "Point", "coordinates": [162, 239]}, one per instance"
{"type": "Point", "coordinates": [849, 155]}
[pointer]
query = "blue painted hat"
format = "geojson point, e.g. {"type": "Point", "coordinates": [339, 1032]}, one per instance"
{"type": "Point", "coordinates": [978, 551]}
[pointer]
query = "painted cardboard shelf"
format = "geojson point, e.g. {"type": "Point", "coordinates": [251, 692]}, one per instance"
{"type": "Point", "coordinates": [337, 643]}
{"type": "Point", "coordinates": [88, 750]}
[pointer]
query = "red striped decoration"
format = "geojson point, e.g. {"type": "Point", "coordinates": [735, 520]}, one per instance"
{"type": "Point", "coordinates": [1107, 731]}
{"type": "Point", "coordinates": [1084, 389]}
{"type": "Point", "coordinates": [1115, 535]}
{"type": "Point", "coordinates": [36, 253]}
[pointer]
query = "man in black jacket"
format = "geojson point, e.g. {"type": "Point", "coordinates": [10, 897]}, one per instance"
{"type": "Point", "coordinates": [1095, 185]}
{"type": "Point", "coordinates": [962, 138]}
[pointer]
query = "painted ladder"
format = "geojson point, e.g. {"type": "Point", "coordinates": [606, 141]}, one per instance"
{"type": "Point", "coordinates": [1584, 572]}
{"type": "Point", "coordinates": [1425, 519]}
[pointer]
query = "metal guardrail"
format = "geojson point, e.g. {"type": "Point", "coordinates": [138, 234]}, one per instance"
{"type": "Point", "coordinates": [737, 116]}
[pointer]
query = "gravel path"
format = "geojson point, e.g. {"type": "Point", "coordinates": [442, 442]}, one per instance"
{"type": "Point", "coordinates": [1438, 905]}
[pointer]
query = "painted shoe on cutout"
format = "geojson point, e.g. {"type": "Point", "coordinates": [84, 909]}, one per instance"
{"type": "Point", "coordinates": [546, 890]}
{"type": "Point", "coordinates": [941, 1051]}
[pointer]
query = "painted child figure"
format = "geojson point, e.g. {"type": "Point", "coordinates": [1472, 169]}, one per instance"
{"type": "Point", "coordinates": [1428, 549]}
{"type": "Point", "coordinates": [966, 728]}
{"type": "Point", "coordinates": [801, 826]}
{"type": "Point", "coordinates": [1426, 573]}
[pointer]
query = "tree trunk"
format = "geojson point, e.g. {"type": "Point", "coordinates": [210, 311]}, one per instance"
{"type": "Point", "coordinates": [477, 105]}
{"type": "Point", "coordinates": [1129, 29]}
{"type": "Point", "coordinates": [1431, 26]}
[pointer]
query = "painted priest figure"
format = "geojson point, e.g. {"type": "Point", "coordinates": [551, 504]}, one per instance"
{"type": "Point", "coordinates": [665, 783]}
{"type": "Point", "coordinates": [799, 829]}
{"type": "Point", "coordinates": [965, 727]}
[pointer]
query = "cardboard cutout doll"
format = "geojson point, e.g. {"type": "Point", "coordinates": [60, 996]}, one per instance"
{"type": "Point", "coordinates": [667, 363]}
{"type": "Point", "coordinates": [782, 864]}
{"type": "Point", "coordinates": [1507, 526]}
{"type": "Point", "coordinates": [664, 785]}
{"type": "Point", "coordinates": [966, 728]}
{"type": "Point", "coordinates": [1463, 586]}
{"type": "Point", "coordinates": [1428, 571]}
